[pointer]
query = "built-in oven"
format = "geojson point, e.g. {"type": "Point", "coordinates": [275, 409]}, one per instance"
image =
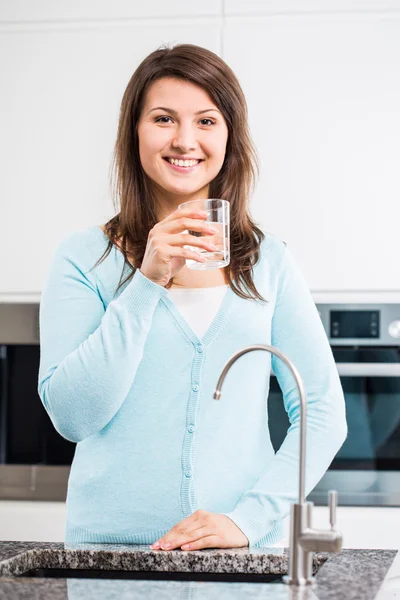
{"type": "Point", "coordinates": [365, 341]}
{"type": "Point", "coordinates": [35, 459]}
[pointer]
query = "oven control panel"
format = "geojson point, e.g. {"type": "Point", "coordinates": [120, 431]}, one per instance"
{"type": "Point", "coordinates": [350, 324]}
{"type": "Point", "coordinates": [361, 324]}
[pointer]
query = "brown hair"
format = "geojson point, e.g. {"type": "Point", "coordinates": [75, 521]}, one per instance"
{"type": "Point", "coordinates": [234, 182]}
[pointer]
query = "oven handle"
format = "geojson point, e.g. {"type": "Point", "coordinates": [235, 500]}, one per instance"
{"type": "Point", "coordinates": [368, 369]}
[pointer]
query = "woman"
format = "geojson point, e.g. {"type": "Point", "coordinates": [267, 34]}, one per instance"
{"type": "Point", "coordinates": [128, 368]}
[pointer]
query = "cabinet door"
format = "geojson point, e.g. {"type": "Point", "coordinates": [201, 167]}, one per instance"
{"type": "Point", "coordinates": [27, 521]}
{"type": "Point", "coordinates": [63, 78]}
{"type": "Point", "coordinates": [360, 526]}
{"type": "Point", "coordinates": [324, 93]}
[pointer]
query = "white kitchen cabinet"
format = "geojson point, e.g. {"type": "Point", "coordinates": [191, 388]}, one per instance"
{"type": "Point", "coordinates": [61, 90]}
{"type": "Point", "coordinates": [91, 10]}
{"type": "Point", "coordinates": [322, 82]}
{"type": "Point", "coordinates": [323, 91]}
{"type": "Point", "coordinates": [279, 7]}
{"type": "Point", "coordinates": [362, 527]}
{"type": "Point", "coordinates": [23, 520]}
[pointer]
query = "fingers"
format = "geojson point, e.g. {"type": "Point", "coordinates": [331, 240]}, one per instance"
{"type": "Point", "coordinates": [188, 530]}
{"type": "Point", "coordinates": [203, 529]}
{"type": "Point", "coordinates": [196, 225]}
{"type": "Point", "coordinates": [187, 212]}
{"type": "Point", "coordinates": [200, 538]}
{"type": "Point", "coordinates": [208, 541]}
{"type": "Point", "coordinates": [183, 219]}
{"type": "Point", "coordinates": [175, 539]}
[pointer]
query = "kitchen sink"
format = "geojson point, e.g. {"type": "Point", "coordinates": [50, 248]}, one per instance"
{"type": "Point", "coordinates": [153, 575]}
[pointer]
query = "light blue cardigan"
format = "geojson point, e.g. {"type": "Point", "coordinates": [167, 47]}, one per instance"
{"type": "Point", "coordinates": [128, 380]}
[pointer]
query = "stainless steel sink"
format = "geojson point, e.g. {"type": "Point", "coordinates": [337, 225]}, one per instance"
{"type": "Point", "coordinates": [153, 575]}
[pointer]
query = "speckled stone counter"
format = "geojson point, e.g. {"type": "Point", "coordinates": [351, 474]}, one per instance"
{"type": "Point", "coordinates": [350, 575]}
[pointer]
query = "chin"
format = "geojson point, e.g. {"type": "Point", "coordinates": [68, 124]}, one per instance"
{"type": "Point", "coordinates": [183, 191]}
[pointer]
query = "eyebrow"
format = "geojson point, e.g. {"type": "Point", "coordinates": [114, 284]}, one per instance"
{"type": "Point", "coordinates": [173, 112]}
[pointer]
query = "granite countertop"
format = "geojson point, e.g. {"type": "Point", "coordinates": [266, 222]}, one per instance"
{"type": "Point", "coordinates": [350, 574]}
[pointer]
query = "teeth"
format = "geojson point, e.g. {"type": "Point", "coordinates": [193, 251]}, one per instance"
{"type": "Point", "coordinates": [183, 163]}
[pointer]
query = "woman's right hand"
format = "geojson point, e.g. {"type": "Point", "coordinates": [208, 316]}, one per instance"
{"type": "Point", "coordinates": [164, 255]}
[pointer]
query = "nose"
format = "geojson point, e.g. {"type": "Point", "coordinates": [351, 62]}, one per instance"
{"type": "Point", "coordinates": [184, 138]}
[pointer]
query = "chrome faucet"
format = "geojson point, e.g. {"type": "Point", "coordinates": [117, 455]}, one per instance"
{"type": "Point", "coordinates": [304, 540]}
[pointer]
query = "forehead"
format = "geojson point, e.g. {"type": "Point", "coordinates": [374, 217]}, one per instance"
{"type": "Point", "coordinates": [178, 94]}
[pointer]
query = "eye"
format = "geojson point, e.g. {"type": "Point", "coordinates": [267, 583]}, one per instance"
{"type": "Point", "coordinates": [157, 120]}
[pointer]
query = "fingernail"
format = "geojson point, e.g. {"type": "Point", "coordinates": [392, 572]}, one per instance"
{"type": "Point", "coordinates": [166, 545]}
{"type": "Point", "coordinates": [155, 546]}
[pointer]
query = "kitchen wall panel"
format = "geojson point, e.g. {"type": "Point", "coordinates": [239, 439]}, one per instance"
{"type": "Point", "coordinates": [324, 96]}
{"type": "Point", "coordinates": [59, 107]}
{"type": "Point", "coordinates": [322, 83]}
{"type": "Point", "coordinates": [25, 11]}
{"type": "Point", "coordinates": [361, 527]}
{"type": "Point", "coordinates": [265, 7]}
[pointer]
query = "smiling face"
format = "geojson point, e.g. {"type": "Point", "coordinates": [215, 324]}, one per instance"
{"type": "Point", "coordinates": [189, 126]}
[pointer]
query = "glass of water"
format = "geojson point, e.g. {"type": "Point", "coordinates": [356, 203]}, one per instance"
{"type": "Point", "coordinates": [218, 217]}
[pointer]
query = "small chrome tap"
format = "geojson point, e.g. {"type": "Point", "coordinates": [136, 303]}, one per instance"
{"type": "Point", "coordinates": [304, 540]}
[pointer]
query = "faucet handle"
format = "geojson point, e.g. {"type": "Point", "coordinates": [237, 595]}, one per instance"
{"type": "Point", "coordinates": [333, 498]}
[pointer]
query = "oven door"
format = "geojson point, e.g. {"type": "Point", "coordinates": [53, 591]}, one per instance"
{"type": "Point", "coordinates": [366, 469]}
{"type": "Point", "coordinates": [34, 458]}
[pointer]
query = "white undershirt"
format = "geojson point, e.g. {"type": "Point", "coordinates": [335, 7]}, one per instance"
{"type": "Point", "coordinates": [189, 300]}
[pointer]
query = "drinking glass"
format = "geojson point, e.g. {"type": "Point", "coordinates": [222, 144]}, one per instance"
{"type": "Point", "coordinates": [218, 217]}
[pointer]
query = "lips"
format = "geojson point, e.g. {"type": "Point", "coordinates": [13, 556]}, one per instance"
{"type": "Point", "coordinates": [175, 158]}
{"type": "Point", "coordinates": [178, 169]}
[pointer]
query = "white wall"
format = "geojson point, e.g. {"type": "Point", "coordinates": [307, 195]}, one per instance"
{"type": "Point", "coordinates": [322, 81]}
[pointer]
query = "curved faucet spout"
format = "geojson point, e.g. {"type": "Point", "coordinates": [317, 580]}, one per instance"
{"type": "Point", "coordinates": [304, 540]}
{"type": "Point", "coordinates": [302, 395]}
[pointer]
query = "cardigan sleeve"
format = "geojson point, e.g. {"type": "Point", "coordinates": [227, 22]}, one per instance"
{"type": "Point", "coordinates": [89, 355]}
{"type": "Point", "coordinates": [298, 332]}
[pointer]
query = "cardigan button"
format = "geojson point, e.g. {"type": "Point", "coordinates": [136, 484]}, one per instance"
{"type": "Point", "coordinates": [199, 348]}
{"type": "Point", "coordinates": [188, 473]}
{"type": "Point", "coordinates": [196, 387]}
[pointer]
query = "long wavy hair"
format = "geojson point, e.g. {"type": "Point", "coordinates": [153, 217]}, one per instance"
{"type": "Point", "coordinates": [132, 190]}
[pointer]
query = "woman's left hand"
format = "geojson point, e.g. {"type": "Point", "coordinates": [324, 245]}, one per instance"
{"type": "Point", "coordinates": [203, 529]}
